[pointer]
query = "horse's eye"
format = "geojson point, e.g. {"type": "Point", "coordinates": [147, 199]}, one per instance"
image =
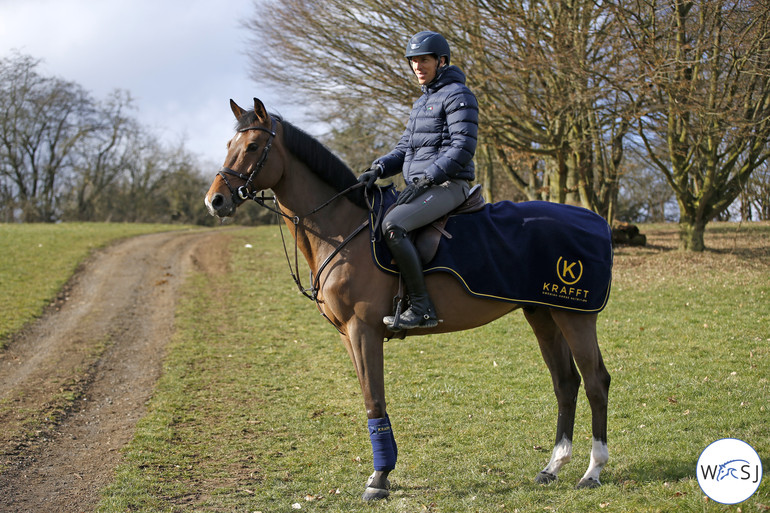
{"type": "Point", "coordinates": [252, 147]}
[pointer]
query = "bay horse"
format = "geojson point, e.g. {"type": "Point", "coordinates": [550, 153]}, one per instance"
{"type": "Point", "coordinates": [317, 196]}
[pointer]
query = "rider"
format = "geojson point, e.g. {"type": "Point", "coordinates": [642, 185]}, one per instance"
{"type": "Point", "coordinates": [435, 156]}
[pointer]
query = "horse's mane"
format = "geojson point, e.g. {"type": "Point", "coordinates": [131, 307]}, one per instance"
{"type": "Point", "coordinates": [321, 161]}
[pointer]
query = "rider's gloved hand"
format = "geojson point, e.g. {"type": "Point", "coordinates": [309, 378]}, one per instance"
{"type": "Point", "coordinates": [414, 189]}
{"type": "Point", "coordinates": [371, 175]}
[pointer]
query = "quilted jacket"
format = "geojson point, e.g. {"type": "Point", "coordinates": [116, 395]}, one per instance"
{"type": "Point", "coordinates": [440, 136]}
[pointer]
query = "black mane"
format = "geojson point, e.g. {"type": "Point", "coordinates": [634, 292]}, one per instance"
{"type": "Point", "coordinates": [321, 161]}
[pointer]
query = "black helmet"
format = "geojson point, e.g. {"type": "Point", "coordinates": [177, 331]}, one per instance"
{"type": "Point", "coordinates": [427, 43]}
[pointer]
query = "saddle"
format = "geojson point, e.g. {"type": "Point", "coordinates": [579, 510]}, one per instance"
{"type": "Point", "coordinates": [427, 238]}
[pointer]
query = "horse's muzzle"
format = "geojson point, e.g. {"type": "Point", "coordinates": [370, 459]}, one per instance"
{"type": "Point", "coordinates": [220, 205]}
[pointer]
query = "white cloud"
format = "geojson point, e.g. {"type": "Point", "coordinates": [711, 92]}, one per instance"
{"type": "Point", "coordinates": [180, 60]}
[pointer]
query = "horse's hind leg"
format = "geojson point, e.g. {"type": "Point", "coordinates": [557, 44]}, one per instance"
{"type": "Point", "coordinates": [566, 383]}
{"type": "Point", "coordinates": [580, 332]}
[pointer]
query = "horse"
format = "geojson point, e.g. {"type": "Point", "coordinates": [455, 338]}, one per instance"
{"type": "Point", "coordinates": [316, 194]}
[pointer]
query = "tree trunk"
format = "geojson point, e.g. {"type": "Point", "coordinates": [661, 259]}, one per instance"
{"type": "Point", "coordinates": [691, 234]}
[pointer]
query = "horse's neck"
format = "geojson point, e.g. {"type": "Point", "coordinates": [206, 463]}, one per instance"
{"type": "Point", "coordinates": [300, 192]}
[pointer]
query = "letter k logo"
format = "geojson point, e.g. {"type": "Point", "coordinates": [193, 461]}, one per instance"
{"type": "Point", "coordinates": [566, 271]}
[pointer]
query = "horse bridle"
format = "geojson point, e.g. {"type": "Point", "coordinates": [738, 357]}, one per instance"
{"type": "Point", "coordinates": [244, 191]}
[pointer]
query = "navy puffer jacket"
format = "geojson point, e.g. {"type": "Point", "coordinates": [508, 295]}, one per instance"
{"type": "Point", "coordinates": [440, 137]}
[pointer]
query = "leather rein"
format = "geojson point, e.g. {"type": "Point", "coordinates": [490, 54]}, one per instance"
{"type": "Point", "coordinates": [244, 193]}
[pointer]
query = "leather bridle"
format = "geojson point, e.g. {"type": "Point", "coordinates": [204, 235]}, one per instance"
{"type": "Point", "coordinates": [244, 192]}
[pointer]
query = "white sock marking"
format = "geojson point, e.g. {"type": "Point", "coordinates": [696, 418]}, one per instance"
{"type": "Point", "coordinates": [599, 457]}
{"type": "Point", "coordinates": [562, 453]}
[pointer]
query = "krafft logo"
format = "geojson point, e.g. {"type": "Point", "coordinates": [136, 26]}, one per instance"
{"type": "Point", "coordinates": [729, 471]}
{"type": "Point", "coordinates": [569, 272]}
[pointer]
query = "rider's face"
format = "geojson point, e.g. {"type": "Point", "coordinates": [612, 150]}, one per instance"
{"type": "Point", "coordinates": [425, 68]}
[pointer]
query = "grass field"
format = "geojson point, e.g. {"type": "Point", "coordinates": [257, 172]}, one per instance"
{"type": "Point", "coordinates": [39, 258]}
{"type": "Point", "coordinates": [259, 408]}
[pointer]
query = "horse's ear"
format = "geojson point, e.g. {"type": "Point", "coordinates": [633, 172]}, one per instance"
{"type": "Point", "coordinates": [261, 112]}
{"type": "Point", "coordinates": [239, 112]}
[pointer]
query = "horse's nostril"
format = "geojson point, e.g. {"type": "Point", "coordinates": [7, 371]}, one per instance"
{"type": "Point", "coordinates": [217, 201]}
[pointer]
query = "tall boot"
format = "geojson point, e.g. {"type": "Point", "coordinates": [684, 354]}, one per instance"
{"type": "Point", "coordinates": [421, 312]}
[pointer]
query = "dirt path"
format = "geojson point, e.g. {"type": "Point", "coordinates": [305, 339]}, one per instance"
{"type": "Point", "coordinates": [103, 343]}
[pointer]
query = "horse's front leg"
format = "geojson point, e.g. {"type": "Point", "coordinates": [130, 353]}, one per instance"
{"type": "Point", "coordinates": [364, 345]}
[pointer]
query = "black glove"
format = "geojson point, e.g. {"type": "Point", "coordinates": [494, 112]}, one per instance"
{"type": "Point", "coordinates": [414, 189]}
{"type": "Point", "coordinates": [371, 175]}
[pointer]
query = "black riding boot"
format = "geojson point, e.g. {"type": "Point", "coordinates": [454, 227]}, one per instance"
{"type": "Point", "coordinates": [421, 312]}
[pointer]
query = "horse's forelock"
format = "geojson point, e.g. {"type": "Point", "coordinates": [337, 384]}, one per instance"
{"type": "Point", "coordinates": [248, 119]}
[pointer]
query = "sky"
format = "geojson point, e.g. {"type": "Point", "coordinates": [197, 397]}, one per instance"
{"type": "Point", "coordinates": [181, 60]}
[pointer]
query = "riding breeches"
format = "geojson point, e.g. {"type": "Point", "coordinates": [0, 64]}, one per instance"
{"type": "Point", "coordinates": [434, 203]}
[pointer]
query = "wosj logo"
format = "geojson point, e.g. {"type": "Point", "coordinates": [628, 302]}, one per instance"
{"type": "Point", "coordinates": [569, 273]}
{"type": "Point", "coordinates": [729, 471]}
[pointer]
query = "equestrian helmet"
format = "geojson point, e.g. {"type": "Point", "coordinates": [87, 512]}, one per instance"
{"type": "Point", "coordinates": [427, 43]}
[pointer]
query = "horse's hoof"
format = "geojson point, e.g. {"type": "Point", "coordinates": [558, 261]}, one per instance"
{"type": "Point", "coordinates": [545, 478]}
{"type": "Point", "coordinates": [588, 483]}
{"type": "Point", "coordinates": [375, 494]}
{"type": "Point", "coordinates": [371, 480]}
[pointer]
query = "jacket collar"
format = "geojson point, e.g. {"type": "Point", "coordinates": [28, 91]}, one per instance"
{"type": "Point", "coordinates": [446, 75]}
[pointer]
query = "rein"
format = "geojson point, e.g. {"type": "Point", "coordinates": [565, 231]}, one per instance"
{"type": "Point", "coordinates": [312, 291]}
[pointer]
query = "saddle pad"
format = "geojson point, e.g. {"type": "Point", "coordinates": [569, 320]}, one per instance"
{"type": "Point", "coordinates": [530, 253]}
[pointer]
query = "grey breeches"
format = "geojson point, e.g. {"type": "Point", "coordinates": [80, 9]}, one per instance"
{"type": "Point", "coordinates": [434, 203]}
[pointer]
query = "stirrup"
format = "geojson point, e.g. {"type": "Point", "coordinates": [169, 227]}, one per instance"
{"type": "Point", "coordinates": [397, 322]}
{"type": "Point", "coordinates": [391, 321]}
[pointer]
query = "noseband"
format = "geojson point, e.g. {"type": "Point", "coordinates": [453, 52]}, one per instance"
{"type": "Point", "coordinates": [243, 192]}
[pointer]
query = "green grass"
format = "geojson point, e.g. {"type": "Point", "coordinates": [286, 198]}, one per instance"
{"type": "Point", "coordinates": [38, 259]}
{"type": "Point", "coordinates": [259, 408]}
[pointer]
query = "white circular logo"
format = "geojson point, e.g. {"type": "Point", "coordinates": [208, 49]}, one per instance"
{"type": "Point", "coordinates": [729, 471]}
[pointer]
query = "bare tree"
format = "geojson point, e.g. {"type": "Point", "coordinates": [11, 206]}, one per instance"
{"type": "Point", "coordinates": [357, 142]}
{"type": "Point", "coordinates": [562, 84]}
{"type": "Point", "coordinates": [65, 156]}
{"type": "Point", "coordinates": [705, 66]}
{"type": "Point", "coordinates": [41, 121]}
{"type": "Point", "coordinates": [755, 199]}
{"type": "Point", "coordinates": [345, 54]}
{"type": "Point", "coordinates": [645, 196]}
{"type": "Point", "coordinates": [102, 156]}
{"type": "Point", "coordinates": [553, 73]}
{"type": "Point", "coordinates": [543, 71]}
